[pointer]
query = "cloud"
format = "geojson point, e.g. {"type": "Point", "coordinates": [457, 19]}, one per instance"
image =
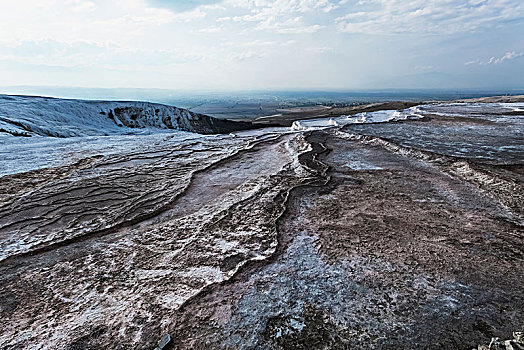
{"type": "Point", "coordinates": [301, 29]}
{"type": "Point", "coordinates": [81, 6]}
{"type": "Point", "coordinates": [507, 56]}
{"type": "Point", "coordinates": [510, 55]}
{"type": "Point", "coordinates": [242, 56]}
{"type": "Point", "coordinates": [424, 68]}
{"type": "Point", "coordinates": [210, 30]}
{"type": "Point", "coordinates": [262, 45]}
{"type": "Point", "coordinates": [421, 16]}
{"type": "Point", "coordinates": [180, 5]}
{"type": "Point", "coordinates": [282, 16]}
{"type": "Point", "coordinates": [102, 22]}
{"type": "Point", "coordinates": [86, 54]}
{"type": "Point", "coordinates": [283, 6]}
{"type": "Point", "coordinates": [321, 49]}
{"type": "Point", "coordinates": [254, 37]}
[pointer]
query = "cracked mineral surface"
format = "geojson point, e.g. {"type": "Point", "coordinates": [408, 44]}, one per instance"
{"type": "Point", "coordinates": [393, 230]}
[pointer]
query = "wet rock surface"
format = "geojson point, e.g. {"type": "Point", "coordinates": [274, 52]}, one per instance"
{"type": "Point", "coordinates": [351, 237]}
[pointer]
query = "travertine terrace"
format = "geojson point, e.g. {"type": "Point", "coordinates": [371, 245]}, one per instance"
{"type": "Point", "coordinates": [401, 234]}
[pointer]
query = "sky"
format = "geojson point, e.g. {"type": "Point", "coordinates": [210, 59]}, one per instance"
{"type": "Point", "coordinates": [262, 44]}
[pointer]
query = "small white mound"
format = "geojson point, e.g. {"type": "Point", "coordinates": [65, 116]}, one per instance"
{"type": "Point", "coordinates": [384, 116]}
{"type": "Point", "coordinates": [297, 125]}
{"type": "Point", "coordinates": [332, 122]}
{"type": "Point", "coordinates": [514, 106]}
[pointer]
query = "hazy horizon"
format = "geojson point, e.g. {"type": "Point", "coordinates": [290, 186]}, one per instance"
{"type": "Point", "coordinates": [161, 95]}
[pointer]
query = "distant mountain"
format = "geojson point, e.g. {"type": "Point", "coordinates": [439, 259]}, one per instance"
{"type": "Point", "coordinates": [45, 116]}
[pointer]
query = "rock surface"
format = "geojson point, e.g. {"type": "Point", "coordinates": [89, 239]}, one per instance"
{"type": "Point", "coordinates": [340, 237]}
{"type": "Point", "coordinates": [517, 343]}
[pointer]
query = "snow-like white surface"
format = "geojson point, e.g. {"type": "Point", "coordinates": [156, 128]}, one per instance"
{"type": "Point", "coordinates": [41, 116]}
{"type": "Point", "coordinates": [466, 109]}
{"type": "Point", "coordinates": [362, 165]}
{"type": "Point", "coordinates": [417, 112]}
{"type": "Point", "coordinates": [384, 116]}
{"type": "Point", "coordinates": [360, 118]}
{"type": "Point", "coordinates": [21, 154]}
{"type": "Point", "coordinates": [515, 107]}
{"type": "Point", "coordinates": [82, 119]}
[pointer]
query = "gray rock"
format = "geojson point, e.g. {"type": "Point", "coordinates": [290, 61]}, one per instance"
{"type": "Point", "coordinates": [497, 344]}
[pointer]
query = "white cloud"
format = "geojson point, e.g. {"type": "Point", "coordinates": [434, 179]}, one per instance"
{"type": "Point", "coordinates": [321, 49]}
{"type": "Point", "coordinates": [283, 6]}
{"type": "Point", "coordinates": [282, 16]}
{"type": "Point", "coordinates": [300, 29]}
{"type": "Point", "coordinates": [424, 68]}
{"type": "Point", "coordinates": [210, 30]}
{"type": "Point", "coordinates": [421, 16]}
{"type": "Point", "coordinates": [245, 55]}
{"type": "Point", "coordinates": [507, 56]}
{"type": "Point", "coordinates": [254, 41]}
{"type": "Point", "coordinates": [510, 55]}
{"type": "Point", "coordinates": [81, 5]}
{"type": "Point", "coordinates": [84, 54]}
{"type": "Point", "coordinates": [79, 20]}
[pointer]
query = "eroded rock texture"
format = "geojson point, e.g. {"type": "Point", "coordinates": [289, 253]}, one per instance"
{"type": "Point", "coordinates": [353, 237]}
{"type": "Point", "coordinates": [110, 259]}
